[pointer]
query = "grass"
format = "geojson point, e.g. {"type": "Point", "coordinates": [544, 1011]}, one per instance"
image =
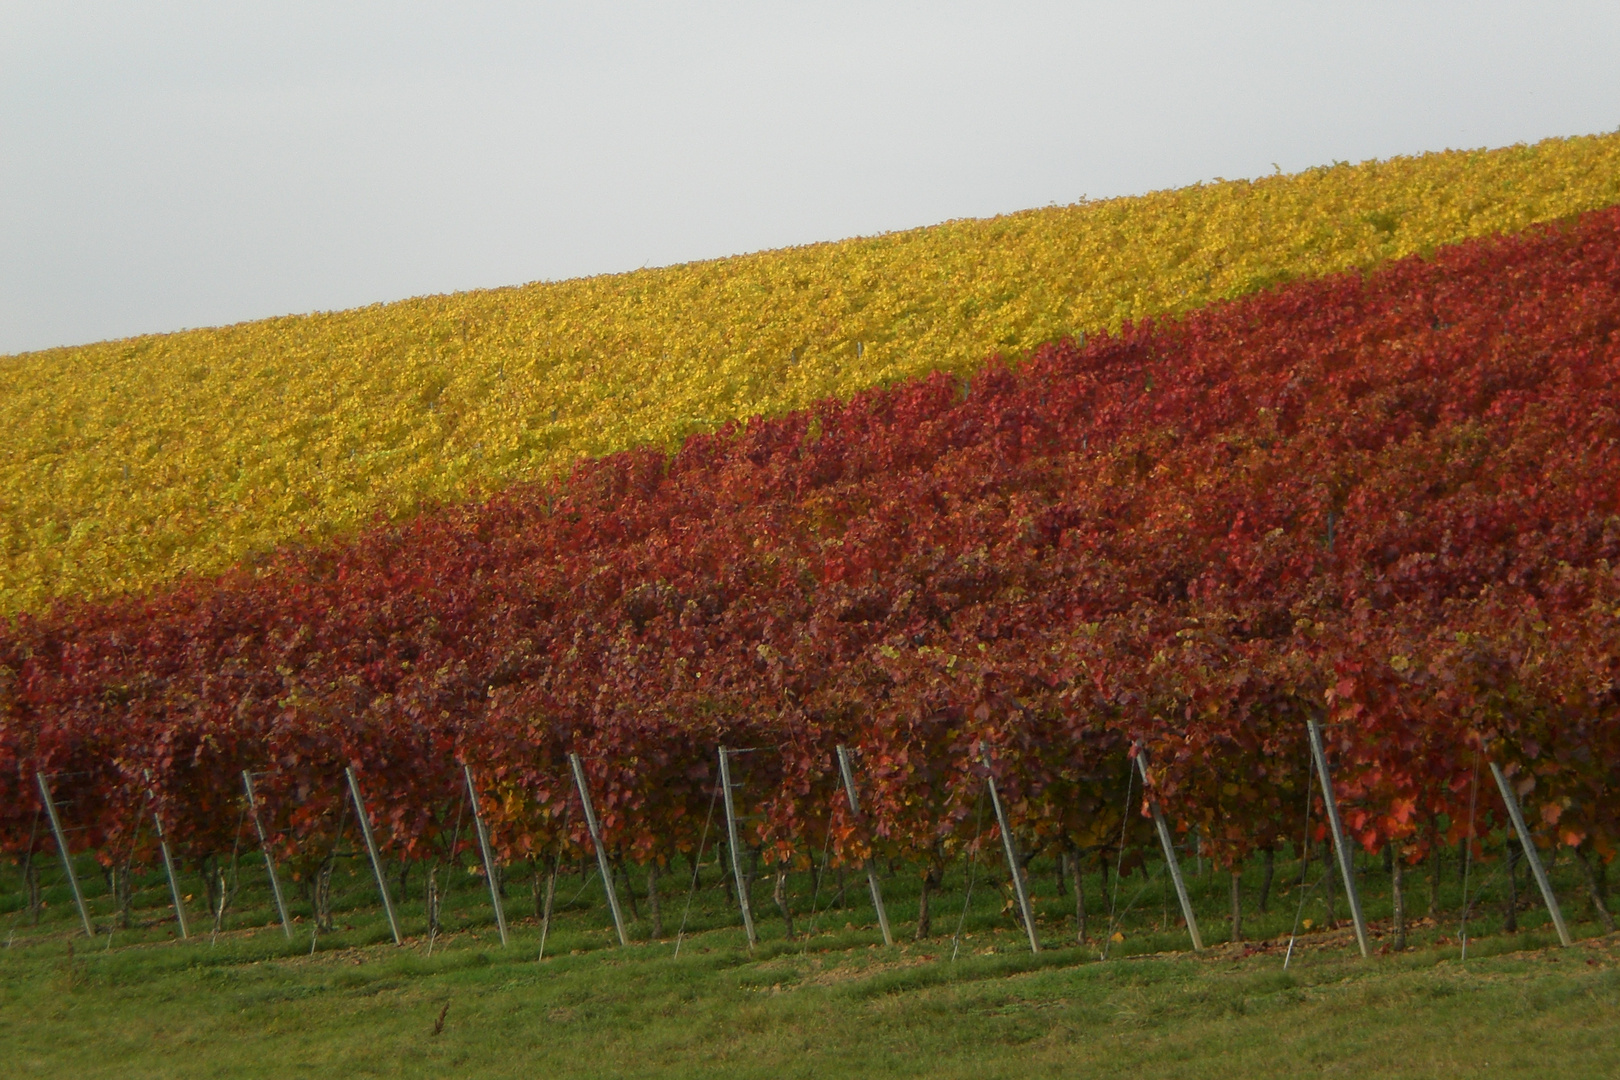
{"type": "Point", "coordinates": [138, 1003]}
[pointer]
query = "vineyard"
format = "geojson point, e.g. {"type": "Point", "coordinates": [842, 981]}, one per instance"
{"type": "Point", "coordinates": [130, 464]}
{"type": "Point", "coordinates": [1119, 575]}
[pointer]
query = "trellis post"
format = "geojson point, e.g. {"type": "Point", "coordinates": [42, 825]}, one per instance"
{"type": "Point", "coordinates": [1510, 797]}
{"type": "Point", "coordinates": [269, 860]}
{"type": "Point", "coordinates": [62, 846]}
{"type": "Point", "coordinates": [846, 769]}
{"type": "Point", "coordinates": [736, 853]}
{"type": "Point", "coordinates": [1168, 843]}
{"type": "Point", "coordinates": [174, 880]}
{"type": "Point", "coordinates": [1011, 846]}
{"type": "Point", "coordinates": [371, 849]}
{"type": "Point", "coordinates": [489, 857]}
{"type": "Point", "coordinates": [601, 849]}
{"type": "Point", "coordinates": [1347, 870]}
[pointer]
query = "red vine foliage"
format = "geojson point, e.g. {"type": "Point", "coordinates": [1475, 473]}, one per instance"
{"type": "Point", "coordinates": [1386, 501]}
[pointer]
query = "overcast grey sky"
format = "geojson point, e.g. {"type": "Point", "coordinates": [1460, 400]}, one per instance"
{"type": "Point", "coordinates": [165, 165]}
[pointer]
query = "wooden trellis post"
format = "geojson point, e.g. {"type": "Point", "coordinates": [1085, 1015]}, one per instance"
{"type": "Point", "coordinates": [1510, 797]}
{"type": "Point", "coordinates": [845, 768]}
{"type": "Point", "coordinates": [1347, 869]}
{"type": "Point", "coordinates": [601, 849]}
{"type": "Point", "coordinates": [1168, 843]}
{"type": "Point", "coordinates": [371, 849]}
{"type": "Point", "coordinates": [489, 856]}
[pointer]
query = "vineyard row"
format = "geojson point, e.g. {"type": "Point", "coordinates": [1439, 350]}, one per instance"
{"type": "Point", "coordinates": [129, 463]}
{"type": "Point", "coordinates": [1383, 503]}
{"type": "Point", "coordinates": [120, 866]}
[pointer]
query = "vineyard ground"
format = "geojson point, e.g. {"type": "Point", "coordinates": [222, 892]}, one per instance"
{"type": "Point", "coordinates": [137, 1003]}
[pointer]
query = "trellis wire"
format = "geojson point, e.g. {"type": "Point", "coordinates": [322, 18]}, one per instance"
{"type": "Point", "coordinates": [697, 863]}
{"type": "Point", "coordinates": [1304, 856]}
{"type": "Point", "coordinates": [589, 877]}
{"type": "Point", "coordinates": [815, 891]}
{"type": "Point", "coordinates": [455, 841]}
{"type": "Point", "coordinates": [1468, 854]}
{"type": "Point", "coordinates": [28, 861]}
{"type": "Point", "coordinates": [1119, 861]}
{"type": "Point", "coordinates": [1141, 891]}
{"type": "Point", "coordinates": [236, 847]}
{"type": "Point", "coordinates": [332, 855]}
{"type": "Point", "coordinates": [973, 866]}
{"type": "Point", "coordinates": [129, 864]}
{"type": "Point", "coordinates": [1484, 888]}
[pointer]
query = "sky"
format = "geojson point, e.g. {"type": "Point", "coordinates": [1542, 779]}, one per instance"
{"type": "Point", "coordinates": [171, 165]}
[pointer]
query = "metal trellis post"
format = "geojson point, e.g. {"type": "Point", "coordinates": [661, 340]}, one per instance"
{"type": "Point", "coordinates": [601, 850]}
{"type": "Point", "coordinates": [1530, 853]}
{"type": "Point", "coordinates": [489, 856]}
{"type": "Point", "coordinates": [61, 845]}
{"type": "Point", "coordinates": [269, 860]}
{"type": "Point", "coordinates": [174, 880]}
{"type": "Point", "coordinates": [736, 853]}
{"type": "Point", "coordinates": [1011, 845]}
{"type": "Point", "coordinates": [1168, 843]}
{"type": "Point", "coordinates": [847, 770]}
{"type": "Point", "coordinates": [371, 849]}
{"type": "Point", "coordinates": [1347, 870]}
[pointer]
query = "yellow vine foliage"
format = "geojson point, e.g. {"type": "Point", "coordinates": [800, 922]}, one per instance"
{"type": "Point", "coordinates": [129, 462]}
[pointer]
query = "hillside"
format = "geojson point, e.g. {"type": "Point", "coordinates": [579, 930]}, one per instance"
{"type": "Point", "coordinates": [130, 463]}
{"type": "Point", "coordinates": [1388, 498]}
{"type": "Point", "coordinates": [740, 669]}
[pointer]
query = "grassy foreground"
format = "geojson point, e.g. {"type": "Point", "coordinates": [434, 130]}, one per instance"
{"type": "Point", "coordinates": [137, 1003]}
{"type": "Point", "coordinates": [854, 1012]}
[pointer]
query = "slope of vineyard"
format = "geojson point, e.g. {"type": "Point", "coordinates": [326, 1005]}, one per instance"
{"type": "Point", "coordinates": [131, 462]}
{"type": "Point", "coordinates": [1392, 499]}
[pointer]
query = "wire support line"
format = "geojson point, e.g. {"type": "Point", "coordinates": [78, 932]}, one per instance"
{"type": "Point", "coordinates": [28, 862]}
{"type": "Point", "coordinates": [450, 861]}
{"type": "Point", "coordinates": [225, 895]}
{"type": "Point", "coordinates": [1119, 862]}
{"type": "Point", "coordinates": [697, 866]}
{"type": "Point", "coordinates": [1479, 893]}
{"type": "Point", "coordinates": [1468, 854]}
{"type": "Point", "coordinates": [551, 883]}
{"type": "Point", "coordinates": [1304, 856]}
{"type": "Point", "coordinates": [1136, 897]}
{"type": "Point", "coordinates": [815, 891]}
{"type": "Point", "coordinates": [325, 872]}
{"type": "Point", "coordinates": [973, 867]}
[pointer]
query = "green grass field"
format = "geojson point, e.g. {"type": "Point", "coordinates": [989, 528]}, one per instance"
{"type": "Point", "coordinates": [833, 1001]}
